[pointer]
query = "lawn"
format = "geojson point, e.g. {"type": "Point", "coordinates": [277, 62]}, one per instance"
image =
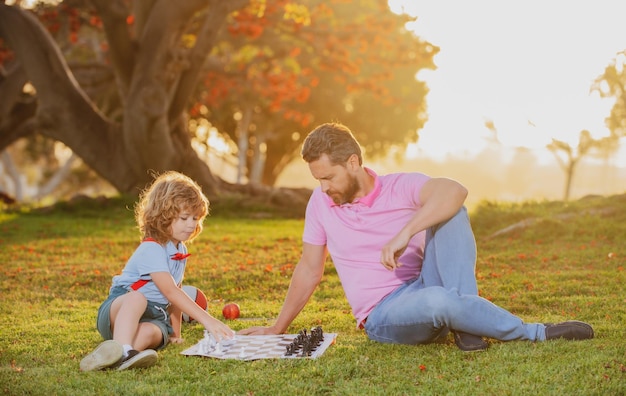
{"type": "Point", "coordinates": [544, 261]}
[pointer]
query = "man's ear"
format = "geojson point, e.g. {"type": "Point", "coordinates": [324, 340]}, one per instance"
{"type": "Point", "coordinates": [353, 162]}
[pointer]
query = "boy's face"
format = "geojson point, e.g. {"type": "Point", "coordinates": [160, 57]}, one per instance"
{"type": "Point", "coordinates": [184, 226]}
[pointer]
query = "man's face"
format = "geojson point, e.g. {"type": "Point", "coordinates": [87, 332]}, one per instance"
{"type": "Point", "coordinates": [338, 181]}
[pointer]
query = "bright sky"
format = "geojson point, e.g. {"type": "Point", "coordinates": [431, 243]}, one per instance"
{"type": "Point", "coordinates": [526, 65]}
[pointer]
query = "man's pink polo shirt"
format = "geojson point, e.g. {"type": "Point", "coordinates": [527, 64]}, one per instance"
{"type": "Point", "coordinates": [355, 234]}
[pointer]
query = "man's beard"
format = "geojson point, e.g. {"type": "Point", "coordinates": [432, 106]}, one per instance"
{"type": "Point", "coordinates": [347, 196]}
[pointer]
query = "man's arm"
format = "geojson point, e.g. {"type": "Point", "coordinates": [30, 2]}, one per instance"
{"type": "Point", "coordinates": [441, 199]}
{"type": "Point", "coordinates": [306, 276]}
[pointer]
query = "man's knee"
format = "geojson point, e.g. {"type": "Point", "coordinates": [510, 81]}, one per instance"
{"type": "Point", "coordinates": [437, 301]}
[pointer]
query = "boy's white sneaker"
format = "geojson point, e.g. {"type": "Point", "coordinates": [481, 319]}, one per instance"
{"type": "Point", "coordinates": [108, 353]}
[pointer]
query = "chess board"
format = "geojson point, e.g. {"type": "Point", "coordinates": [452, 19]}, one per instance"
{"type": "Point", "coordinates": [257, 347]}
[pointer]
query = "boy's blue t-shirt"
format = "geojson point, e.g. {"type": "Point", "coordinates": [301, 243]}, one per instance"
{"type": "Point", "coordinates": [152, 257]}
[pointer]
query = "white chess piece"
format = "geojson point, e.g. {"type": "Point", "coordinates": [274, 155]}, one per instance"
{"type": "Point", "coordinates": [203, 349]}
{"type": "Point", "coordinates": [207, 344]}
{"type": "Point", "coordinates": [242, 353]}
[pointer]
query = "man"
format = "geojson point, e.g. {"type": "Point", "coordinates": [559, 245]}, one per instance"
{"type": "Point", "coordinates": [404, 250]}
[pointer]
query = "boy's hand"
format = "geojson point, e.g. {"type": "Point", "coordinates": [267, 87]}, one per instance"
{"type": "Point", "coordinates": [218, 329]}
{"type": "Point", "coordinates": [176, 340]}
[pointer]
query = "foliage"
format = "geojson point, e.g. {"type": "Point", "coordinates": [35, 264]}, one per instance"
{"type": "Point", "coordinates": [277, 67]}
{"type": "Point", "coordinates": [291, 65]}
{"type": "Point", "coordinates": [568, 265]}
{"type": "Point", "coordinates": [612, 84]}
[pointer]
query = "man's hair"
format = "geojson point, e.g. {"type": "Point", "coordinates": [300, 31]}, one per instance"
{"type": "Point", "coordinates": [170, 194]}
{"type": "Point", "coordinates": [332, 139]}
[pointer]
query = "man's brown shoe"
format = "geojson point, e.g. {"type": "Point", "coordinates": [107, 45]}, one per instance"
{"type": "Point", "coordinates": [570, 330]}
{"type": "Point", "coordinates": [469, 342]}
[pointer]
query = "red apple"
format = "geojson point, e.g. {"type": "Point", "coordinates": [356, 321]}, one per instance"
{"type": "Point", "coordinates": [231, 311]}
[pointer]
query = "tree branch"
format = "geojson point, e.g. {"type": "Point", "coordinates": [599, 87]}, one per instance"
{"type": "Point", "coordinates": [19, 123]}
{"type": "Point", "coordinates": [141, 11]}
{"type": "Point", "coordinates": [64, 112]}
{"type": "Point", "coordinates": [11, 84]}
{"type": "Point", "coordinates": [215, 18]}
{"type": "Point", "coordinates": [151, 87]}
{"type": "Point", "coordinates": [121, 46]}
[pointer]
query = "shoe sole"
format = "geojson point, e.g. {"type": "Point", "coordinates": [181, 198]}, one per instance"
{"type": "Point", "coordinates": [107, 354]}
{"type": "Point", "coordinates": [143, 359]}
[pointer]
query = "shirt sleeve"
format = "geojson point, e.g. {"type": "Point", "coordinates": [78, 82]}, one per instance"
{"type": "Point", "coordinates": [411, 185]}
{"type": "Point", "coordinates": [152, 257]}
{"type": "Point", "coordinates": [314, 232]}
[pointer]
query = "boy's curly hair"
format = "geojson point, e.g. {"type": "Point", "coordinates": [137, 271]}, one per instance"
{"type": "Point", "coordinates": [170, 194]}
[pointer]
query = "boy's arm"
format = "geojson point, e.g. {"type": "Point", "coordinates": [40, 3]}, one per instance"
{"type": "Point", "coordinates": [179, 299]}
{"type": "Point", "coordinates": [176, 318]}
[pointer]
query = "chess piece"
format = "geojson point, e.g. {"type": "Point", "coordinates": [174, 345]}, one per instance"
{"type": "Point", "coordinates": [204, 348]}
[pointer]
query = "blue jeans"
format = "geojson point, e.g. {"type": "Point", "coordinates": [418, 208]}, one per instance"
{"type": "Point", "coordinates": [445, 296]}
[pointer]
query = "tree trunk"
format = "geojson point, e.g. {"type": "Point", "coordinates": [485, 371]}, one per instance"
{"type": "Point", "coordinates": [242, 142]}
{"type": "Point", "coordinates": [153, 83]}
{"type": "Point", "coordinates": [64, 112]}
{"type": "Point", "coordinates": [569, 176]}
{"type": "Point", "coordinates": [13, 175]}
{"type": "Point", "coordinates": [257, 164]}
{"type": "Point", "coordinates": [56, 179]}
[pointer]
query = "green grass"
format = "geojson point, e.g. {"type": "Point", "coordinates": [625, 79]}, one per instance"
{"type": "Point", "coordinates": [58, 265]}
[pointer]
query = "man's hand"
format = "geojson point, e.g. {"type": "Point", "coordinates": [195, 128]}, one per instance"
{"type": "Point", "coordinates": [394, 249]}
{"type": "Point", "coordinates": [258, 330]}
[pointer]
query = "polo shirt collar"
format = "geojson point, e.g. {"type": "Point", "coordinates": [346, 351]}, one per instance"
{"type": "Point", "coordinates": [367, 200]}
